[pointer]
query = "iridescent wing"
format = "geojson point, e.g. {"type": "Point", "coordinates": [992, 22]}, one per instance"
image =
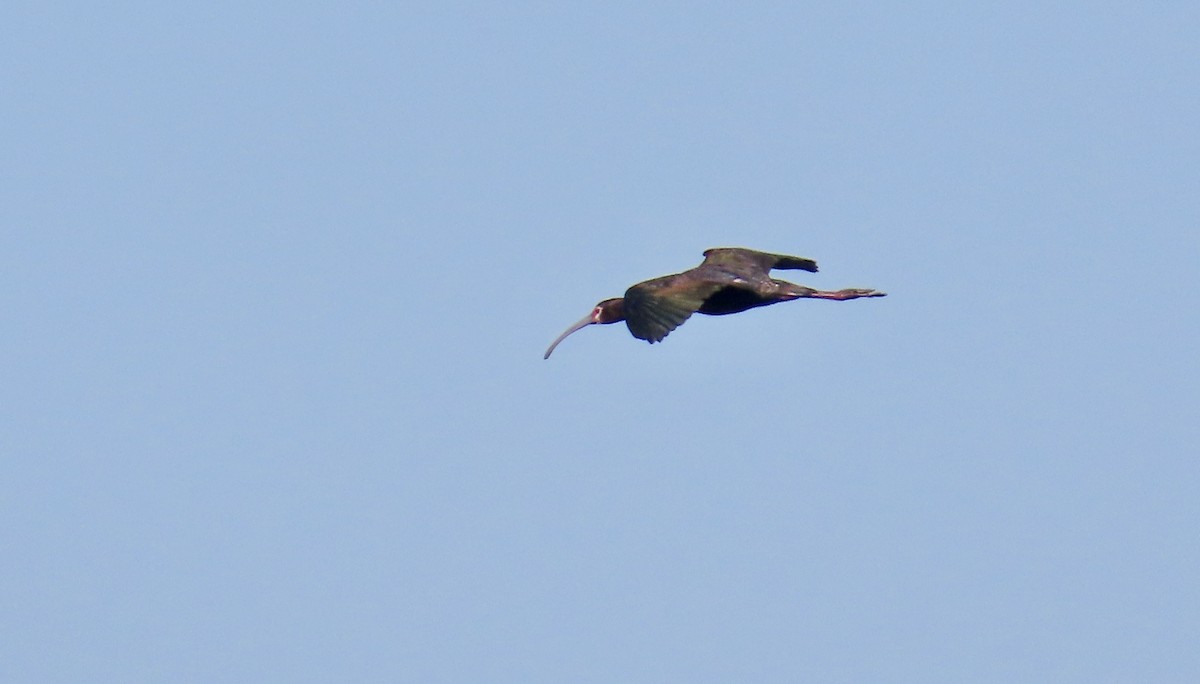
{"type": "Point", "coordinates": [753, 263]}
{"type": "Point", "coordinates": [656, 307]}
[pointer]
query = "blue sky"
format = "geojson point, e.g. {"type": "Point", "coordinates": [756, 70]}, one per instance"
{"type": "Point", "coordinates": [277, 280]}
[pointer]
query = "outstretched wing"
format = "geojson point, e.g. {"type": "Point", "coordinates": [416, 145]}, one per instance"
{"type": "Point", "coordinates": [751, 261]}
{"type": "Point", "coordinates": [656, 307]}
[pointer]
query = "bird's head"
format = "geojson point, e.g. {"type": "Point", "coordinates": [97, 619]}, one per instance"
{"type": "Point", "coordinates": [607, 311]}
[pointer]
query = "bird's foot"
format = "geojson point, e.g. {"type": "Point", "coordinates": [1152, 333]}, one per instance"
{"type": "Point", "coordinates": [848, 293]}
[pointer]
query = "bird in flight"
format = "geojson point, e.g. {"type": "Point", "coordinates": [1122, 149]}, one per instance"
{"type": "Point", "coordinates": [730, 280]}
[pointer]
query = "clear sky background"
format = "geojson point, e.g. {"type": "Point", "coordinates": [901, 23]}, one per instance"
{"type": "Point", "coordinates": [276, 280]}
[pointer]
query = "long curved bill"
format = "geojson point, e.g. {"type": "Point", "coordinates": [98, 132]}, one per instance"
{"type": "Point", "coordinates": [583, 323]}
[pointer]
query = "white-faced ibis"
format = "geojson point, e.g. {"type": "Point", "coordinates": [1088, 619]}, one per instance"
{"type": "Point", "coordinates": [730, 280]}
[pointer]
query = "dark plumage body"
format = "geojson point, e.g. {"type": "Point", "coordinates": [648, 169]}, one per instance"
{"type": "Point", "coordinates": [730, 280]}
